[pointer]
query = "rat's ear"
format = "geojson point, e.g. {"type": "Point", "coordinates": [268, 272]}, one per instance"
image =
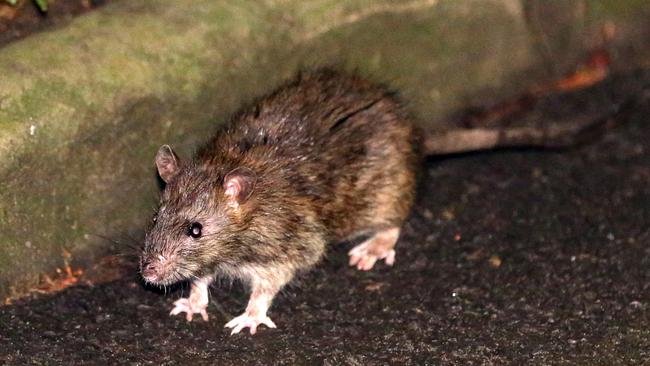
{"type": "Point", "coordinates": [167, 162]}
{"type": "Point", "coordinates": [239, 184]}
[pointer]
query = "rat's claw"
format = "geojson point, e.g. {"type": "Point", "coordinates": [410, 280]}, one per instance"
{"type": "Point", "coordinates": [245, 320]}
{"type": "Point", "coordinates": [366, 263]}
{"type": "Point", "coordinates": [365, 255]}
{"type": "Point", "coordinates": [185, 306]}
{"type": "Point", "coordinates": [379, 246]}
{"type": "Point", "coordinates": [390, 257]}
{"type": "Point", "coordinates": [180, 305]}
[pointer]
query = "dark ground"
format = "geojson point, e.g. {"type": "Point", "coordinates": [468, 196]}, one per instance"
{"type": "Point", "coordinates": [511, 257]}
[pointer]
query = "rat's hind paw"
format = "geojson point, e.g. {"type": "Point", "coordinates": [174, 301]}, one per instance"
{"type": "Point", "coordinates": [380, 246]}
{"type": "Point", "coordinates": [184, 305]}
{"type": "Point", "coordinates": [364, 260]}
{"type": "Point", "coordinates": [248, 321]}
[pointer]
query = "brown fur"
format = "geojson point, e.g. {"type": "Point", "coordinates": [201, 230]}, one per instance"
{"type": "Point", "coordinates": [334, 157]}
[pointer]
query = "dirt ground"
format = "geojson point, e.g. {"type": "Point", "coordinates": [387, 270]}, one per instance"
{"type": "Point", "coordinates": [510, 257]}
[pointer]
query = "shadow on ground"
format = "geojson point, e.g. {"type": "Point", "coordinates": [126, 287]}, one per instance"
{"type": "Point", "coordinates": [521, 256]}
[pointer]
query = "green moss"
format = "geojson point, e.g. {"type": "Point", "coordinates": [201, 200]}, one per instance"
{"type": "Point", "coordinates": [617, 9]}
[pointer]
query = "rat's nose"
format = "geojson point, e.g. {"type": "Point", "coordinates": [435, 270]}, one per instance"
{"type": "Point", "coordinates": [149, 272]}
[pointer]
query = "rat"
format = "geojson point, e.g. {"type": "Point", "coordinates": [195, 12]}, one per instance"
{"type": "Point", "coordinates": [325, 158]}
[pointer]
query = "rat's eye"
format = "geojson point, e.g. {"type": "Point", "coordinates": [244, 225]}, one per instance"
{"type": "Point", "coordinates": [195, 230]}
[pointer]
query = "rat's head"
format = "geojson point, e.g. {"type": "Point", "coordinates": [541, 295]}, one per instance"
{"type": "Point", "coordinates": [198, 216]}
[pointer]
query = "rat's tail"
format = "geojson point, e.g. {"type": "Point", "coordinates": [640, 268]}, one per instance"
{"type": "Point", "coordinates": [554, 135]}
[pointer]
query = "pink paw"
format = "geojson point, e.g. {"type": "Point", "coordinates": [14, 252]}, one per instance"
{"type": "Point", "coordinates": [184, 305]}
{"type": "Point", "coordinates": [365, 255]}
{"type": "Point", "coordinates": [248, 321]}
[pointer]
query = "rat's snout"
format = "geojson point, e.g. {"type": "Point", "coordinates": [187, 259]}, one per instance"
{"type": "Point", "coordinates": [149, 271]}
{"type": "Point", "coordinates": [155, 269]}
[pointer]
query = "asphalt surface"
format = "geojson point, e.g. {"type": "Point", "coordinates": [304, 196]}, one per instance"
{"type": "Point", "coordinates": [510, 257]}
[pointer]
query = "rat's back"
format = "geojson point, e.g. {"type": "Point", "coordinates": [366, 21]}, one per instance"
{"type": "Point", "coordinates": [336, 141]}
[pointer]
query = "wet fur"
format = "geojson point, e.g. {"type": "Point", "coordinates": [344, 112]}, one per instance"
{"type": "Point", "coordinates": [334, 156]}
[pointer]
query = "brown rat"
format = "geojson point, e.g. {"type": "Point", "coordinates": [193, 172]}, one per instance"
{"type": "Point", "coordinates": [324, 158]}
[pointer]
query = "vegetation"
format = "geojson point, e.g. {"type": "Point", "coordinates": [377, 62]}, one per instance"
{"type": "Point", "coordinates": [42, 4]}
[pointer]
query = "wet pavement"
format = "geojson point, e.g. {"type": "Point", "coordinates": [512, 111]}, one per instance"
{"type": "Point", "coordinates": [510, 257]}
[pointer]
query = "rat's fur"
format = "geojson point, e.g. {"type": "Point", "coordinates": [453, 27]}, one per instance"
{"type": "Point", "coordinates": [332, 156]}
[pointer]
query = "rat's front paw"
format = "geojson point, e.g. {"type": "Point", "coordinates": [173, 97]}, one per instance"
{"type": "Point", "coordinates": [249, 321]}
{"type": "Point", "coordinates": [185, 305]}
